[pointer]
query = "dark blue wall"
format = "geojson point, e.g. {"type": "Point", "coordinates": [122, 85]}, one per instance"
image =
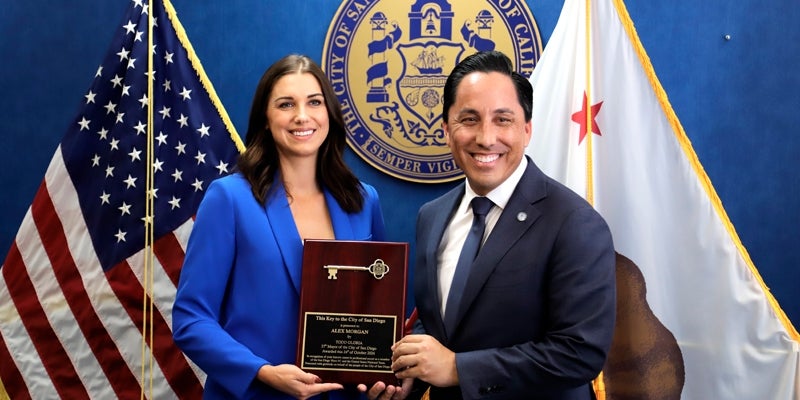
{"type": "Point", "coordinates": [737, 99]}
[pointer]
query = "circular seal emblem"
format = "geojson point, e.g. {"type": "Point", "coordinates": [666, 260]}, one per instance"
{"type": "Point", "coordinates": [388, 61]}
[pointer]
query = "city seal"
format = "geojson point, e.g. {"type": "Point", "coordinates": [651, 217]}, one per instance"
{"type": "Point", "coordinates": [388, 62]}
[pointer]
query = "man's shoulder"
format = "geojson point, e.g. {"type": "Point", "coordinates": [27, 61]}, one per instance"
{"type": "Point", "coordinates": [548, 195]}
{"type": "Point", "coordinates": [539, 184]}
{"type": "Point", "coordinates": [448, 198]}
{"type": "Point", "coordinates": [562, 192]}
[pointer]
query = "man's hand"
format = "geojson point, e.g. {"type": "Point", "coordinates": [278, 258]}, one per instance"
{"type": "Point", "coordinates": [382, 391]}
{"type": "Point", "coordinates": [294, 381]}
{"type": "Point", "coordinates": [423, 357]}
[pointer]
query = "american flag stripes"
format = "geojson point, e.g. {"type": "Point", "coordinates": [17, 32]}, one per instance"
{"type": "Point", "coordinates": [75, 286]}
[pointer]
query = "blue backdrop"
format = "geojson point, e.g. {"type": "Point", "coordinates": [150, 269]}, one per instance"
{"type": "Point", "coordinates": [737, 97]}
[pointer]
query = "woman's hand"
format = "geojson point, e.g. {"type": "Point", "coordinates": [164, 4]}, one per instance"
{"type": "Point", "coordinates": [382, 391]}
{"type": "Point", "coordinates": [294, 381]}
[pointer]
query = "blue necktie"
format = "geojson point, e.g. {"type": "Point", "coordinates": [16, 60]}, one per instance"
{"type": "Point", "coordinates": [480, 207]}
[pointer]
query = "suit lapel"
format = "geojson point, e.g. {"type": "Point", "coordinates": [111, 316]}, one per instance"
{"type": "Point", "coordinates": [285, 231]}
{"type": "Point", "coordinates": [517, 218]}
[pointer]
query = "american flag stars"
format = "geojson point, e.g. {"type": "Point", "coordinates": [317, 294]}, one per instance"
{"type": "Point", "coordinates": [131, 170]}
{"type": "Point", "coordinates": [116, 111]}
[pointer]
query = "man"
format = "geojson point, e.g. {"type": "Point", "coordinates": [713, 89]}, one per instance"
{"type": "Point", "coordinates": [535, 316]}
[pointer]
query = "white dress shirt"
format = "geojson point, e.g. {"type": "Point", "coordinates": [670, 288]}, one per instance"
{"type": "Point", "coordinates": [458, 228]}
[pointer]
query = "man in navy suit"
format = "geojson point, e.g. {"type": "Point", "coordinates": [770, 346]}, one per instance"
{"type": "Point", "coordinates": [535, 316]}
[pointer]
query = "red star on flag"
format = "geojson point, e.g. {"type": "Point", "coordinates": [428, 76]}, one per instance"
{"type": "Point", "coordinates": [580, 118]}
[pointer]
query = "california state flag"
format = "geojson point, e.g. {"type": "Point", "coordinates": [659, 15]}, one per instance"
{"type": "Point", "coordinates": [694, 318]}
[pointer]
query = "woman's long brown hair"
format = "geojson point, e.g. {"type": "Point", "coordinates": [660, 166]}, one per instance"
{"type": "Point", "coordinates": [259, 162]}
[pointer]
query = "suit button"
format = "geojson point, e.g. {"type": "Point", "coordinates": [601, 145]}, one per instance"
{"type": "Point", "coordinates": [488, 389]}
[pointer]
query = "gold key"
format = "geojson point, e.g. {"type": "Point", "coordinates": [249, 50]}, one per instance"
{"type": "Point", "coordinates": [378, 269]}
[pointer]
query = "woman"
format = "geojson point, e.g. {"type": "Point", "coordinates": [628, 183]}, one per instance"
{"type": "Point", "coordinates": [237, 305]}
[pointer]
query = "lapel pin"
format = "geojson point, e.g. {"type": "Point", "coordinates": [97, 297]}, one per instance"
{"type": "Point", "coordinates": [522, 216]}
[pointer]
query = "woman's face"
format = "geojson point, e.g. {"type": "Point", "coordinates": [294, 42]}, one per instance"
{"type": "Point", "coordinates": [297, 116]}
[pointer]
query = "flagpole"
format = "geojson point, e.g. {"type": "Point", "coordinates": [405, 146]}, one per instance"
{"type": "Point", "coordinates": [148, 279]}
{"type": "Point", "coordinates": [599, 387]}
{"type": "Point", "coordinates": [589, 116]}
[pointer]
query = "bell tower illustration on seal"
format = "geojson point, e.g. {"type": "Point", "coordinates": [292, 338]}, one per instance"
{"type": "Point", "coordinates": [431, 19]}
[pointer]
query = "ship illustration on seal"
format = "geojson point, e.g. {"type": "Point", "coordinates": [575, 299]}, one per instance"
{"type": "Point", "coordinates": [428, 62]}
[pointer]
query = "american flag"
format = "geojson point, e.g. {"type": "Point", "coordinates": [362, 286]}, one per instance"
{"type": "Point", "coordinates": [78, 281]}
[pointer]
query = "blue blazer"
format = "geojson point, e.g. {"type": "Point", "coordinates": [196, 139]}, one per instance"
{"type": "Point", "coordinates": [537, 313]}
{"type": "Point", "coordinates": [237, 304]}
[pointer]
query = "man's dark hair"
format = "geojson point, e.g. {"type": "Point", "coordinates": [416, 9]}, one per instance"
{"type": "Point", "coordinates": [487, 61]}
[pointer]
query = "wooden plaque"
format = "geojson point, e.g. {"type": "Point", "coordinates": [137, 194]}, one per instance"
{"type": "Point", "coordinates": [352, 307]}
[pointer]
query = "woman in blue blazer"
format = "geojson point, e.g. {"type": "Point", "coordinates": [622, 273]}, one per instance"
{"type": "Point", "coordinates": [237, 305]}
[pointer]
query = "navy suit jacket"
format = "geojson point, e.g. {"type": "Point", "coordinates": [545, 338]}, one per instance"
{"type": "Point", "coordinates": [537, 313]}
{"type": "Point", "coordinates": [237, 305]}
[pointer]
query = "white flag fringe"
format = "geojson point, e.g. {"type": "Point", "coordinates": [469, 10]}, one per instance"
{"type": "Point", "coordinates": [695, 319]}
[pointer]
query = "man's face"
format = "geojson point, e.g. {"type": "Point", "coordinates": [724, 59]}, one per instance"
{"type": "Point", "coordinates": [486, 129]}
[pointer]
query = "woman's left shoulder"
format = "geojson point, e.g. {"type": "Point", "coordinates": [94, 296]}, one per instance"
{"type": "Point", "coordinates": [369, 190]}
